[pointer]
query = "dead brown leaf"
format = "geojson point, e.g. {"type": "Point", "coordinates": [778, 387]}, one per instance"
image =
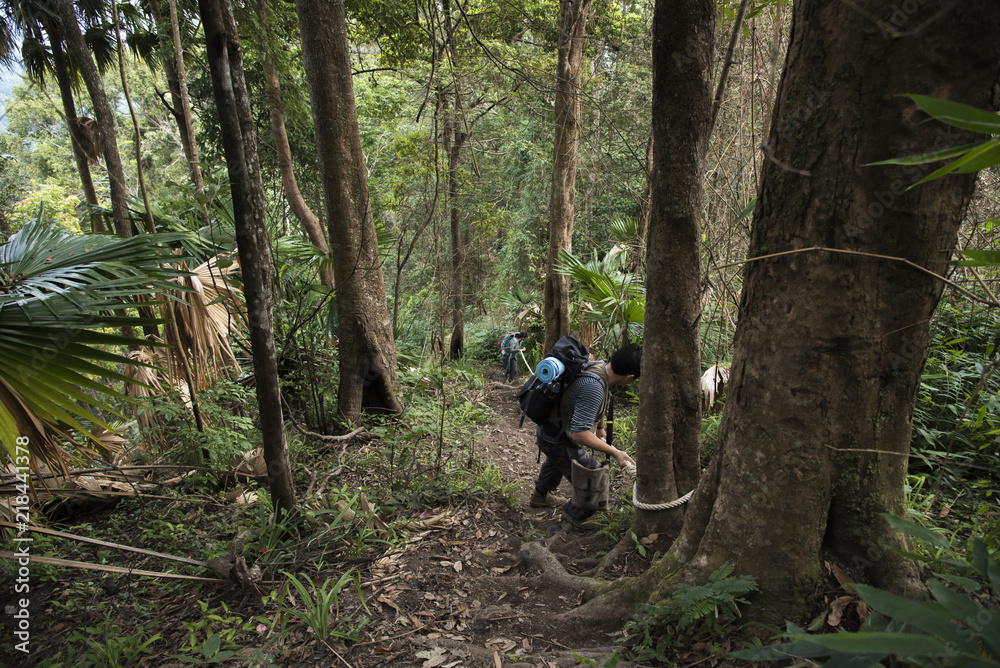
{"type": "Point", "coordinates": [842, 577]}
{"type": "Point", "coordinates": [837, 609]}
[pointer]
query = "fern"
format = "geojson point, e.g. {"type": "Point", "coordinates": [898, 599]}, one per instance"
{"type": "Point", "coordinates": [649, 632]}
{"type": "Point", "coordinates": [718, 597]}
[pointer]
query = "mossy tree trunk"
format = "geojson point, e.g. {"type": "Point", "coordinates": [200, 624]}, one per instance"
{"type": "Point", "coordinates": [830, 344]}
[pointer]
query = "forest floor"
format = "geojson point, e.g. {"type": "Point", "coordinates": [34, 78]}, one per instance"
{"type": "Point", "coordinates": [455, 593]}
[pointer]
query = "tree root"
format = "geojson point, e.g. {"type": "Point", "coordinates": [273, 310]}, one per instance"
{"type": "Point", "coordinates": [608, 604]}
{"type": "Point", "coordinates": [624, 546]}
{"type": "Point", "coordinates": [539, 556]}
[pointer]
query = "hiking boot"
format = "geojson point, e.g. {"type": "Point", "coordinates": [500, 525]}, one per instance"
{"type": "Point", "coordinates": [548, 500]}
{"type": "Point", "coordinates": [587, 524]}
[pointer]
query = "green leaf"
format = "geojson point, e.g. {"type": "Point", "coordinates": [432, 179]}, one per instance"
{"type": "Point", "coordinates": [212, 645]}
{"type": "Point", "coordinates": [917, 531]}
{"type": "Point", "coordinates": [959, 581]}
{"type": "Point", "coordinates": [959, 115]}
{"type": "Point", "coordinates": [977, 619]}
{"type": "Point", "coordinates": [974, 157]}
{"type": "Point", "coordinates": [747, 210]}
{"type": "Point", "coordinates": [932, 156]}
{"type": "Point", "coordinates": [881, 642]}
{"type": "Point", "coordinates": [916, 613]}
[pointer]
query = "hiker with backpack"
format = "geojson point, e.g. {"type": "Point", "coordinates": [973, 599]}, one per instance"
{"type": "Point", "coordinates": [510, 345]}
{"type": "Point", "coordinates": [574, 429]}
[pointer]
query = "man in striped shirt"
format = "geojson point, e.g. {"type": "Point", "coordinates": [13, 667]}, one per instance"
{"type": "Point", "coordinates": [577, 428]}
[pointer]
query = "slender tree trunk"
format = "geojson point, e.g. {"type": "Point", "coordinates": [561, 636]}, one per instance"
{"type": "Point", "coordinates": [176, 75]}
{"type": "Point", "coordinates": [669, 428]}
{"type": "Point", "coordinates": [311, 224]}
{"type": "Point", "coordinates": [367, 349]}
{"type": "Point", "coordinates": [454, 137]}
{"type": "Point", "coordinates": [645, 207]}
{"type": "Point", "coordinates": [830, 346]}
{"type": "Point", "coordinates": [105, 116]}
{"type": "Point", "coordinates": [150, 225]}
{"type": "Point", "coordinates": [250, 209]}
{"type": "Point", "coordinates": [61, 68]}
{"type": "Point", "coordinates": [562, 202]}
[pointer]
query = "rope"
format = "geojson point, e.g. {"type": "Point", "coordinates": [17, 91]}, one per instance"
{"type": "Point", "coordinates": [657, 506]}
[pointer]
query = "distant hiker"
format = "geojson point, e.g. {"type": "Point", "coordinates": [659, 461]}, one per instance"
{"type": "Point", "coordinates": [510, 345]}
{"type": "Point", "coordinates": [579, 429]}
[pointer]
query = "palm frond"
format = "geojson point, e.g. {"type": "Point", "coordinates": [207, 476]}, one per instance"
{"type": "Point", "coordinates": [624, 229]}
{"type": "Point", "coordinates": [58, 293]}
{"type": "Point", "coordinates": [204, 318]}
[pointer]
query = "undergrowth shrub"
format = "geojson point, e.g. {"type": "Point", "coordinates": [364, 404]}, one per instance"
{"type": "Point", "coordinates": [956, 420]}
{"type": "Point", "coordinates": [695, 610]}
{"type": "Point", "coordinates": [229, 427]}
{"type": "Point", "coordinates": [424, 455]}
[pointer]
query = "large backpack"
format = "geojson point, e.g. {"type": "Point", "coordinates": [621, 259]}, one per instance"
{"type": "Point", "coordinates": [505, 340]}
{"type": "Point", "coordinates": [539, 400]}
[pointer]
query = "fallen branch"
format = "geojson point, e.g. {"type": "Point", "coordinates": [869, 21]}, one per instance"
{"type": "Point", "coordinates": [69, 563]}
{"type": "Point", "coordinates": [104, 543]}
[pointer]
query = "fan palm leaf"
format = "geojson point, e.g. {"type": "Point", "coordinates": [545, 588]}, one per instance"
{"type": "Point", "coordinates": [615, 298]}
{"type": "Point", "coordinates": [59, 292]}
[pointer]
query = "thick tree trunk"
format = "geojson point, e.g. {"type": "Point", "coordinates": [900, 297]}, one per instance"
{"type": "Point", "coordinates": [830, 345]}
{"type": "Point", "coordinates": [250, 210]}
{"type": "Point", "coordinates": [61, 68]}
{"type": "Point", "coordinates": [310, 222]}
{"type": "Point", "coordinates": [367, 350]}
{"type": "Point", "coordinates": [562, 201]}
{"type": "Point", "coordinates": [669, 429]}
{"type": "Point", "coordinates": [105, 116]}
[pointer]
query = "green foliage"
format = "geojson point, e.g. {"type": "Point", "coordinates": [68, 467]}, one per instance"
{"type": "Point", "coordinates": [61, 294]}
{"type": "Point", "coordinates": [955, 420]}
{"type": "Point", "coordinates": [426, 452]}
{"type": "Point", "coordinates": [709, 437]}
{"type": "Point", "coordinates": [218, 635]}
{"type": "Point", "coordinates": [229, 429]}
{"type": "Point", "coordinates": [49, 201]}
{"type": "Point", "coordinates": [616, 297]}
{"type": "Point", "coordinates": [321, 601]}
{"type": "Point", "coordinates": [108, 646]}
{"type": "Point", "coordinates": [959, 625]}
{"type": "Point", "coordinates": [655, 629]}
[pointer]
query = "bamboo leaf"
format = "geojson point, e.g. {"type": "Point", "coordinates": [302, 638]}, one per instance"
{"type": "Point", "coordinates": [959, 115]}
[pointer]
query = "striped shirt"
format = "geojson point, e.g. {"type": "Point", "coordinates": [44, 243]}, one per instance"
{"type": "Point", "coordinates": [586, 397]}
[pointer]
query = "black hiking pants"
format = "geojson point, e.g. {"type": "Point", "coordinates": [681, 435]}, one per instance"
{"type": "Point", "coordinates": [510, 366]}
{"type": "Point", "coordinates": [559, 454]}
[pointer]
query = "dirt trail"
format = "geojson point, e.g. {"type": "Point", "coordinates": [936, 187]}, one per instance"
{"type": "Point", "coordinates": [478, 604]}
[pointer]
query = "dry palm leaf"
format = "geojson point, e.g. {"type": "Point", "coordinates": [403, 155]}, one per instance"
{"type": "Point", "coordinates": [203, 319]}
{"type": "Point", "coordinates": [252, 464]}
